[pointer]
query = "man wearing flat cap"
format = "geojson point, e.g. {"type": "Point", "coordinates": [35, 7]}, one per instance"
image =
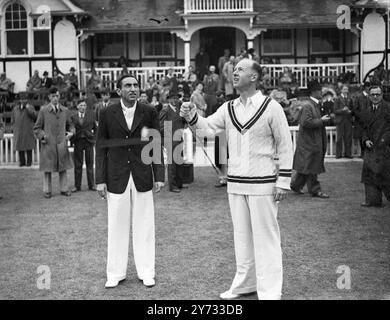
{"type": "Point", "coordinates": [46, 81]}
{"type": "Point", "coordinates": [311, 144]}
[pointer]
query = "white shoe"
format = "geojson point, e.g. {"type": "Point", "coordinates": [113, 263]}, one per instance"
{"type": "Point", "coordinates": [112, 283]}
{"type": "Point", "coordinates": [228, 295]}
{"type": "Point", "coordinates": [149, 282]}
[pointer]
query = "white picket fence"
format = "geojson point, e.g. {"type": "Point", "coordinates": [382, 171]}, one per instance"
{"type": "Point", "coordinates": [9, 157]}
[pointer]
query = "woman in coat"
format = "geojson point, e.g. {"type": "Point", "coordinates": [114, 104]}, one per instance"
{"type": "Point", "coordinates": [23, 119]}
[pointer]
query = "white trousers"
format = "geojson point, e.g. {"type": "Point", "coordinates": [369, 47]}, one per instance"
{"type": "Point", "coordinates": [257, 246]}
{"type": "Point", "coordinates": [139, 207]}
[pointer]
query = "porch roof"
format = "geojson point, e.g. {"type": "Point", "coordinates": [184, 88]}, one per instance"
{"type": "Point", "coordinates": [57, 7]}
{"type": "Point", "coordinates": [131, 15]}
{"type": "Point", "coordinates": [134, 15]}
{"type": "Point", "coordinates": [296, 13]}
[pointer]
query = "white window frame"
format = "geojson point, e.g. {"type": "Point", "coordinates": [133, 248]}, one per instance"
{"type": "Point", "coordinates": [144, 55]}
{"type": "Point", "coordinates": [268, 54]}
{"type": "Point", "coordinates": [30, 34]}
{"type": "Point", "coordinates": [110, 57]}
{"type": "Point", "coordinates": [33, 29]}
{"type": "Point", "coordinates": [326, 52]}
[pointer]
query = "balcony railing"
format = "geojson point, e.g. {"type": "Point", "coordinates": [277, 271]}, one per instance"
{"type": "Point", "coordinates": [303, 73]}
{"type": "Point", "coordinates": [109, 76]}
{"type": "Point", "coordinates": [215, 6]}
{"type": "Point", "coordinates": [8, 156]}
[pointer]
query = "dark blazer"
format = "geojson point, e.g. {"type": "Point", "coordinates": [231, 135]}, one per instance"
{"type": "Point", "coordinates": [360, 104]}
{"type": "Point", "coordinates": [87, 129]}
{"type": "Point", "coordinates": [376, 165]}
{"type": "Point", "coordinates": [177, 122]}
{"type": "Point", "coordinates": [48, 83]}
{"type": "Point", "coordinates": [340, 114]}
{"type": "Point", "coordinates": [118, 150]}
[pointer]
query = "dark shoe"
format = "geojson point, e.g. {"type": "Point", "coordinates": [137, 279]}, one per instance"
{"type": "Point", "coordinates": [21, 164]}
{"type": "Point", "coordinates": [47, 195]}
{"type": "Point", "coordinates": [75, 189]}
{"type": "Point", "coordinates": [66, 193]}
{"type": "Point", "coordinates": [177, 190]}
{"type": "Point", "coordinates": [321, 195]}
{"type": "Point", "coordinates": [364, 204]}
{"type": "Point", "coordinates": [92, 188]}
{"type": "Point", "coordinates": [184, 186]}
{"type": "Point", "coordinates": [28, 165]}
{"type": "Point", "coordinates": [349, 157]}
{"type": "Point", "coordinates": [338, 157]}
{"type": "Point", "coordinates": [297, 191]}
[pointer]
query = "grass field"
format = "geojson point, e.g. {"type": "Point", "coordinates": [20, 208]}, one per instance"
{"type": "Point", "coordinates": [194, 241]}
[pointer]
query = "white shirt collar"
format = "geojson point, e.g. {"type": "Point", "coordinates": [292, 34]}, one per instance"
{"type": "Point", "coordinates": [125, 109]}
{"type": "Point", "coordinates": [315, 100]}
{"type": "Point", "coordinates": [254, 100]}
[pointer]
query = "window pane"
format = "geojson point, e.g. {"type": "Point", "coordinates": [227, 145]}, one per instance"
{"type": "Point", "coordinates": [41, 42]}
{"type": "Point", "coordinates": [325, 40]}
{"type": "Point", "coordinates": [277, 41]}
{"type": "Point", "coordinates": [110, 44]}
{"type": "Point", "coordinates": [17, 42]}
{"type": "Point", "coordinates": [158, 44]}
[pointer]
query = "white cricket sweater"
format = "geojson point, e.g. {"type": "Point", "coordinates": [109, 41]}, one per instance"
{"type": "Point", "coordinates": [254, 133]}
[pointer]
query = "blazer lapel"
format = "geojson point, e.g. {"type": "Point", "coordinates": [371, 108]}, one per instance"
{"type": "Point", "coordinates": [118, 113]}
{"type": "Point", "coordinates": [138, 116]}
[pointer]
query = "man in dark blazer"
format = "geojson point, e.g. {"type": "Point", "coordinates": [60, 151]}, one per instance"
{"type": "Point", "coordinates": [311, 145]}
{"type": "Point", "coordinates": [104, 103]}
{"type": "Point", "coordinates": [84, 140]}
{"type": "Point", "coordinates": [376, 137]}
{"type": "Point", "coordinates": [343, 108]}
{"type": "Point", "coordinates": [46, 81]}
{"type": "Point", "coordinates": [171, 127]}
{"type": "Point", "coordinates": [125, 174]}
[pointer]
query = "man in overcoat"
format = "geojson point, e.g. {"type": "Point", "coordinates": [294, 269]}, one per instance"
{"type": "Point", "coordinates": [23, 120]}
{"type": "Point", "coordinates": [311, 145]}
{"type": "Point", "coordinates": [343, 108]}
{"type": "Point", "coordinates": [84, 140]}
{"type": "Point", "coordinates": [376, 137]}
{"type": "Point", "coordinates": [54, 129]}
{"type": "Point", "coordinates": [2, 130]}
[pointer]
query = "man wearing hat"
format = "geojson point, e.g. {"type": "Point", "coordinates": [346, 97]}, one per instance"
{"type": "Point", "coordinates": [5, 83]}
{"type": "Point", "coordinates": [46, 81]}
{"type": "Point", "coordinates": [171, 128]}
{"type": "Point", "coordinates": [23, 120]}
{"type": "Point", "coordinates": [2, 130]}
{"type": "Point", "coordinates": [311, 145]}
{"type": "Point", "coordinates": [71, 79]}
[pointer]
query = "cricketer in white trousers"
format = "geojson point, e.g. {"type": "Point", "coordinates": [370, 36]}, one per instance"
{"type": "Point", "coordinates": [255, 133]}
{"type": "Point", "coordinates": [139, 207]}
{"type": "Point", "coordinates": [256, 243]}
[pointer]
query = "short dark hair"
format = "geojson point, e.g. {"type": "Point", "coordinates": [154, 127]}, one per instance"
{"type": "Point", "coordinates": [366, 84]}
{"type": "Point", "coordinates": [81, 101]}
{"type": "Point", "coordinates": [142, 91]}
{"type": "Point", "coordinates": [375, 86]}
{"type": "Point", "coordinates": [53, 90]}
{"type": "Point", "coordinates": [119, 82]}
{"type": "Point", "coordinates": [105, 91]}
